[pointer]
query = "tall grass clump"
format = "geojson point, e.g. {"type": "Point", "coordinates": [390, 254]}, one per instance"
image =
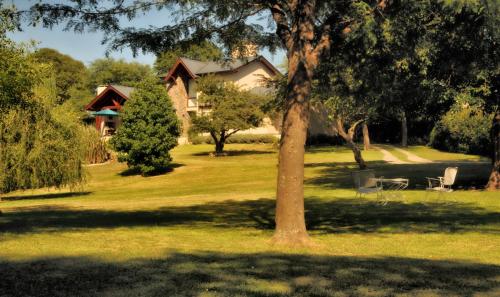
{"type": "Point", "coordinates": [94, 148]}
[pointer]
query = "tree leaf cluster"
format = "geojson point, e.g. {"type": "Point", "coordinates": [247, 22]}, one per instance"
{"type": "Point", "coordinates": [111, 71]}
{"type": "Point", "coordinates": [229, 24]}
{"type": "Point", "coordinates": [71, 74]}
{"type": "Point", "coordinates": [418, 60]}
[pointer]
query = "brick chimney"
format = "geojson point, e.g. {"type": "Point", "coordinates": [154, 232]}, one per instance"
{"type": "Point", "coordinates": [247, 50]}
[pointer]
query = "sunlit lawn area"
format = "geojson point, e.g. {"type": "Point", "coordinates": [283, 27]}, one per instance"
{"type": "Point", "coordinates": [204, 229]}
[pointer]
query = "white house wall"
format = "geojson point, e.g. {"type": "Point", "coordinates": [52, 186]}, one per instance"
{"type": "Point", "coordinates": [249, 77]}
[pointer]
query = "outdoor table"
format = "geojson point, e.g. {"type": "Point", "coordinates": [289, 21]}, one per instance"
{"type": "Point", "coordinates": [394, 184]}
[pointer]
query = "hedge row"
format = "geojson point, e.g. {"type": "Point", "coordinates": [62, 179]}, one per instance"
{"type": "Point", "coordinates": [237, 138]}
{"type": "Point", "coordinates": [464, 131]}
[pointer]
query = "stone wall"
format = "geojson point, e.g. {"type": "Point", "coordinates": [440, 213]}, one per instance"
{"type": "Point", "coordinates": [177, 92]}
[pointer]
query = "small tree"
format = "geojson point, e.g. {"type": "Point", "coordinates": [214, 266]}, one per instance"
{"type": "Point", "coordinates": [347, 111]}
{"type": "Point", "coordinates": [149, 129]}
{"type": "Point", "coordinates": [231, 110]}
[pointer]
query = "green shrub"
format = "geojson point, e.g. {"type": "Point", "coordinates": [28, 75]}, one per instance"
{"type": "Point", "coordinates": [237, 138]}
{"type": "Point", "coordinates": [463, 131]}
{"type": "Point", "coordinates": [149, 129]}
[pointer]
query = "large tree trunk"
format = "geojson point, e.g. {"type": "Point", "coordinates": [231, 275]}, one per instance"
{"type": "Point", "coordinates": [290, 220]}
{"type": "Point", "coordinates": [349, 138]}
{"type": "Point", "coordinates": [494, 181]}
{"type": "Point", "coordinates": [404, 131]}
{"type": "Point", "coordinates": [297, 31]}
{"type": "Point", "coordinates": [219, 142]}
{"type": "Point", "coordinates": [366, 137]}
{"type": "Point", "coordinates": [219, 147]}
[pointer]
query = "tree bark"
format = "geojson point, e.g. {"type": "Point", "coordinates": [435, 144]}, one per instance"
{"type": "Point", "coordinates": [290, 220]}
{"type": "Point", "coordinates": [219, 147]}
{"type": "Point", "coordinates": [357, 154]}
{"type": "Point", "coordinates": [494, 180]}
{"type": "Point", "coordinates": [219, 142]}
{"type": "Point", "coordinates": [296, 27]}
{"type": "Point", "coordinates": [366, 137]}
{"type": "Point", "coordinates": [348, 137]}
{"type": "Point", "coordinates": [404, 131]}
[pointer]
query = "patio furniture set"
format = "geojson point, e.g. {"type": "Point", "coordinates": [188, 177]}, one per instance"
{"type": "Point", "coordinates": [365, 182]}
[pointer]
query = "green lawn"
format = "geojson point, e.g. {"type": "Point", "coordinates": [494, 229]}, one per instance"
{"type": "Point", "coordinates": [203, 229]}
{"type": "Point", "coordinates": [425, 152]}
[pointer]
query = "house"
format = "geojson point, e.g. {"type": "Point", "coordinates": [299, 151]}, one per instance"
{"type": "Point", "coordinates": [248, 73]}
{"type": "Point", "coordinates": [180, 83]}
{"type": "Point", "coordinates": [106, 105]}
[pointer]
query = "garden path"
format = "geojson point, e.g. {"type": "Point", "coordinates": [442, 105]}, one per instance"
{"type": "Point", "coordinates": [391, 158]}
{"type": "Point", "coordinates": [388, 157]}
{"type": "Point", "coordinates": [412, 157]}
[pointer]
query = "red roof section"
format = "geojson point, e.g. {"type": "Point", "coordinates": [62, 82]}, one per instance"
{"type": "Point", "coordinates": [102, 94]}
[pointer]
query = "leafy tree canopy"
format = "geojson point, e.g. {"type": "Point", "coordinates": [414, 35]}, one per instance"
{"type": "Point", "coordinates": [149, 129]}
{"type": "Point", "coordinates": [111, 71]}
{"type": "Point", "coordinates": [70, 73]}
{"type": "Point", "coordinates": [424, 56]}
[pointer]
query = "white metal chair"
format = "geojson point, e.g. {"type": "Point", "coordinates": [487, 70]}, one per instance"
{"type": "Point", "coordinates": [443, 184]}
{"type": "Point", "coordinates": [366, 183]}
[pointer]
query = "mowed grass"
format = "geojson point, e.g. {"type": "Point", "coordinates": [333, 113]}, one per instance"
{"type": "Point", "coordinates": [204, 229]}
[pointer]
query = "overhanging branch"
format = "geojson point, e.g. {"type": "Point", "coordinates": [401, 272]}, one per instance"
{"type": "Point", "coordinates": [282, 26]}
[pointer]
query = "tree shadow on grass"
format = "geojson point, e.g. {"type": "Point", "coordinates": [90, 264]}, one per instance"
{"type": "Point", "coordinates": [320, 149]}
{"type": "Point", "coordinates": [338, 175]}
{"type": "Point", "coordinates": [369, 216]}
{"type": "Point", "coordinates": [322, 216]}
{"type": "Point", "coordinates": [136, 171]}
{"type": "Point", "coordinates": [257, 274]}
{"type": "Point", "coordinates": [45, 196]}
{"type": "Point", "coordinates": [234, 153]}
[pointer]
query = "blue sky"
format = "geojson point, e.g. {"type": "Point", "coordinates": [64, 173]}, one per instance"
{"type": "Point", "coordinates": [87, 47]}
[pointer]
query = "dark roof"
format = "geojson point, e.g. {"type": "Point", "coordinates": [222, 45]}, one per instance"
{"type": "Point", "coordinates": [196, 68]}
{"type": "Point", "coordinates": [123, 89]}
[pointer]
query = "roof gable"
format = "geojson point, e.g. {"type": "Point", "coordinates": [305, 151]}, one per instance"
{"type": "Point", "coordinates": [196, 68]}
{"type": "Point", "coordinates": [123, 92]}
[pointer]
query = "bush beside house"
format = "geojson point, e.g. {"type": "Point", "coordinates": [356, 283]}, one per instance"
{"type": "Point", "coordinates": [237, 138]}
{"type": "Point", "coordinates": [149, 129]}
